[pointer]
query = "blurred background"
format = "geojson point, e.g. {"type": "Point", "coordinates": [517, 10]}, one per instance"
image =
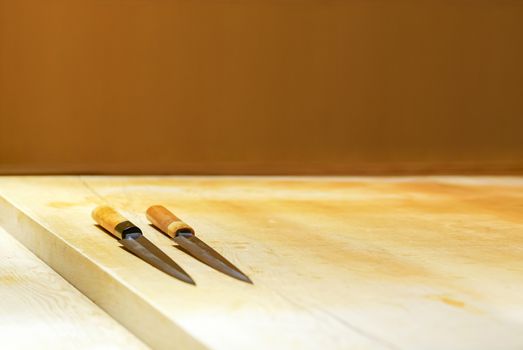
{"type": "Point", "coordinates": [261, 86]}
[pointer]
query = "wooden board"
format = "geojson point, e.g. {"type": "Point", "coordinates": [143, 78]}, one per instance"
{"type": "Point", "coordinates": [40, 310]}
{"type": "Point", "coordinates": [338, 263]}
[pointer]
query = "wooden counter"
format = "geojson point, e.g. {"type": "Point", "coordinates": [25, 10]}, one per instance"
{"type": "Point", "coordinates": [40, 310]}
{"type": "Point", "coordinates": [337, 263]}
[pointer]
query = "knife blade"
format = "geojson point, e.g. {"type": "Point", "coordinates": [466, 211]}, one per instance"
{"type": "Point", "coordinates": [131, 237]}
{"type": "Point", "coordinates": [184, 235]}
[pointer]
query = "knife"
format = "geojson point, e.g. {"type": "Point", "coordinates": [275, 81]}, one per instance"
{"type": "Point", "coordinates": [132, 239]}
{"type": "Point", "coordinates": [184, 235]}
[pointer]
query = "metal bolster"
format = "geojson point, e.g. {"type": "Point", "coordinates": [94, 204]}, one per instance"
{"type": "Point", "coordinates": [126, 228]}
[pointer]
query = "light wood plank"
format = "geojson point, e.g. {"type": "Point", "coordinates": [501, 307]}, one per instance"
{"type": "Point", "coordinates": [40, 310]}
{"type": "Point", "coordinates": [338, 263]}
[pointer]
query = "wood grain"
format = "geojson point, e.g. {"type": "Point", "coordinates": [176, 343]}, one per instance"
{"type": "Point", "coordinates": [108, 218]}
{"type": "Point", "coordinates": [338, 263]}
{"type": "Point", "coordinates": [166, 221]}
{"type": "Point", "coordinates": [40, 310]}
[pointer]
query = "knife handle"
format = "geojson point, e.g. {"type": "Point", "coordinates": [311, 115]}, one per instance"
{"type": "Point", "coordinates": [113, 222]}
{"type": "Point", "coordinates": [166, 221]}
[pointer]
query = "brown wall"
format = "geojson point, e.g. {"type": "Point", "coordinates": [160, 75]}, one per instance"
{"type": "Point", "coordinates": [261, 86]}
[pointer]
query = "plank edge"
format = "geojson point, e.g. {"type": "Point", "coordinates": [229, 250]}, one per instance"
{"type": "Point", "coordinates": [133, 315]}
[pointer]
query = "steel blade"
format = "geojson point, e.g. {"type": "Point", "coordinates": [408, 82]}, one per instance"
{"type": "Point", "coordinates": [148, 252]}
{"type": "Point", "coordinates": [201, 251]}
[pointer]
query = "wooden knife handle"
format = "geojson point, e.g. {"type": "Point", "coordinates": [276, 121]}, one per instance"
{"type": "Point", "coordinates": [113, 222]}
{"type": "Point", "coordinates": [166, 221]}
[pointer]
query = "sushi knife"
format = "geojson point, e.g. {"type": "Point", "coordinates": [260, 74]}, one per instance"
{"type": "Point", "coordinates": [131, 237]}
{"type": "Point", "coordinates": [184, 235]}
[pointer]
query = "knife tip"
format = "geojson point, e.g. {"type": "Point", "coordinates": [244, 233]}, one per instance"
{"type": "Point", "coordinates": [248, 280]}
{"type": "Point", "coordinates": [240, 276]}
{"type": "Point", "coordinates": [187, 279]}
{"type": "Point", "coordinates": [178, 273]}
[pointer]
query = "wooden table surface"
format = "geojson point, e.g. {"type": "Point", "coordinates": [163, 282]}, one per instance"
{"type": "Point", "coordinates": [337, 263]}
{"type": "Point", "coordinates": [40, 310]}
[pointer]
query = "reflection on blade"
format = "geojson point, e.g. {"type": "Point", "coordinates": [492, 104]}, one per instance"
{"type": "Point", "coordinates": [209, 256]}
{"type": "Point", "coordinates": [147, 251]}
